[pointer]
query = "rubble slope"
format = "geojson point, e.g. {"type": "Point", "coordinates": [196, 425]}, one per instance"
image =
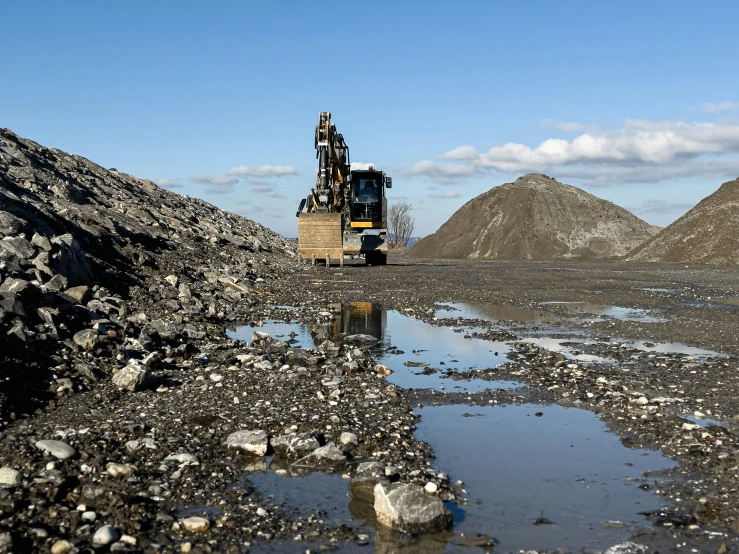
{"type": "Point", "coordinates": [536, 218]}
{"type": "Point", "coordinates": [83, 248]}
{"type": "Point", "coordinates": [708, 233]}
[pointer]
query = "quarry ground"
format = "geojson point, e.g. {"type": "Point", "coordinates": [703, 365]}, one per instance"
{"type": "Point", "coordinates": [644, 400]}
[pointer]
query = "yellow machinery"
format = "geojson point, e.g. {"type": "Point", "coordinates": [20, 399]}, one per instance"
{"type": "Point", "coordinates": [346, 212]}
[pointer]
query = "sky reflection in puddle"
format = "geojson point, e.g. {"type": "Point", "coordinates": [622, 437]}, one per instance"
{"type": "Point", "coordinates": [564, 466]}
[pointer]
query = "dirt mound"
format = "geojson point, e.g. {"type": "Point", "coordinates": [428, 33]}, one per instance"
{"type": "Point", "coordinates": [536, 218]}
{"type": "Point", "coordinates": [82, 248]}
{"type": "Point", "coordinates": [708, 233]}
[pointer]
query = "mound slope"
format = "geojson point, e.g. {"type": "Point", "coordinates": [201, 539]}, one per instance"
{"type": "Point", "coordinates": [536, 218]}
{"type": "Point", "coordinates": [708, 233]}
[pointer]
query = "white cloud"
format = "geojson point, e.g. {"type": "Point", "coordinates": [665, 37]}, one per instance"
{"type": "Point", "coordinates": [640, 151]}
{"type": "Point", "coordinates": [649, 207]}
{"type": "Point", "coordinates": [447, 194]}
{"type": "Point", "coordinates": [216, 184]}
{"type": "Point", "coordinates": [719, 107]}
{"type": "Point", "coordinates": [566, 126]}
{"type": "Point", "coordinates": [263, 171]}
{"type": "Point", "coordinates": [444, 172]}
{"type": "Point", "coordinates": [168, 184]}
{"type": "Point", "coordinates": [362, 165]}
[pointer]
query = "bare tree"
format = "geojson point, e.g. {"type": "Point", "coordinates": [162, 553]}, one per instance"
{"type": "Point", "coordinates": [400, 224]}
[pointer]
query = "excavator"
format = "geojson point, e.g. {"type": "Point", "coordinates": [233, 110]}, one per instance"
{"type": "Point", "coordinates": [346, 212]}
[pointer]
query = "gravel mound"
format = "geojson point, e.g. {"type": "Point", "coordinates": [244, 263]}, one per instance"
{"type": "Point", "coordinates": [96, 265]}
{"type": "Point", "coordinates": [536, 218]}
{"type": "Point", "coordinates": [708, 233]}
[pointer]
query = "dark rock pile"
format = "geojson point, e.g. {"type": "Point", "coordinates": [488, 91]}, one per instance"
{"type": "Point", "coordinates": [98, 267]}
{"type": "Point", "coordinates": [536, 218]}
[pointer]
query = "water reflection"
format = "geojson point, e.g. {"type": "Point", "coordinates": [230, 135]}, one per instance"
{"type": "Point", "coordinates": [562, 465]}
{"type": "Point", "coordinates": [419, 354]}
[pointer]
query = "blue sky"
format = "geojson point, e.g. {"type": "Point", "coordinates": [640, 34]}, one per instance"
{"type": "Point", "coordinates": [636, 102]}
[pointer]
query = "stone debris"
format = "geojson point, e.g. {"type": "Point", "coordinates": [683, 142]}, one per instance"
{"type": "Point", "coordinates": [408, 509]}
{"type": "Point", "coordinates": [252, 442]}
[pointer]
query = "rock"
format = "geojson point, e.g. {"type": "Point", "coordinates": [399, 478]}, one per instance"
{"type": "Point", "coordinates": [80, 294]}
{"type": "Point", "coordinates": [431, 488]}
{"type": "Point", "coordinates": [71, 261]}
{"type": "Point", "coordinates": [196, 524]}
{"type": "Point", "coordinates": [253, 442]}
{"type": "Point", "coordinates": [328, 456]}
{"type": "Point", "coordinates": [107, 534]}
{"type": "Point", "coordinates": [294, 445]}
{"type": "Point", "coordinates": [86, 339]}
{"type": "Point", "coordinates": [6, 543]}
{"type": "Point", "coordinates": [408, 509]}
{"type": "Point", "coordinates": [9, 476]}
{"type": "Point", "coordinates": [183, 458]}
{"type": "Point", "coordinates": [133, 377]}
{"type": "Point", "coordinates": [171, 279]}
{"type": "Point", "coordinates": [61, 547]}
{"type": "Point", "coordinates": [18, 246]}
{"type": "Point", "coordinates": [120, 470]}
{"type": "Point", "coordinates": [360, 339]}
{"type": "Point", "coordinates": [261, 512]}
{"type": "Point", "coordinates": [42, 242]}
{"type": "Point", "coordinates": [627, 548]}
{"type": "Point", "coordinates": [349, 438]}
{"type": "Point", "coordinates": [60, 450]}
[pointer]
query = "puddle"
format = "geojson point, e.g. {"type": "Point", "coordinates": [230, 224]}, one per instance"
{"type": "Point", "coordinates": [567, 346]}
{"type": "Point", "coordinates": [492, 312]}
{"type": "Point", "coordinates": [613, 312]}
{"type": "Point", "coordinates": [704, 421]}
{"type": "Point", "coordinates": [673, 348]}
{"type": "Point", "coordinates": [563, 466]}
{"type": "Point", "coordinates": [306, 494]}
{"type": "Point", "coordinates": [418, 353]}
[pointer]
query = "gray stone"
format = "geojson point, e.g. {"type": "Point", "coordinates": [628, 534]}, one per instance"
{"type": "Point", "coordinates": [80, 294]}
{"type": "Point", "coordinates": [57, 283]}
{"type": "Point", "coordinates": [196, 524]}
{"type": "Point", "coordinates": [408, 509]}
{"type": "Point", "coordinates": [183, 458]}
{"type": "Point", "coordinates": [9, 476]}
{"type": "Point", "coordinates": [120, 470]}
{"type": "Point", "coordinates": [6, 543]}
{"type": "Point", "coordinates": [133, 377]}
{"type": "Point", "coordinates": [60, 450]}
{"type": "Point", "coordinates": [349, 438]}
{"type": "Point", "coordinates": [86, 339]}
{"type": "Point", "coordinates": [294, 445]}
{"type": "Point", "coordinates": [42, 242]}
{"type": "Point", "coordinates": [253, 442]}
{"type": "Point", "coordinates": [360, 339]}
{"type": "Point", "coordinates": [627, 548]}
{"type": "Point", "coordinates": [71, 261]}
{"type": "Point", "coordinates": [13, 285]}
{"type": "Point", "coordinates": [107, 534]}
{"type": "Point", "coordinates": [18, 246]}
{"type": "Point", "coordinates": [328, 456]}
{"type": "Point", "coordinates": [61, 547]}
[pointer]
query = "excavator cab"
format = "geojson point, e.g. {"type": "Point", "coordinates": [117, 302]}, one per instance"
{"type": "Point", "coordinates": [367, 199]}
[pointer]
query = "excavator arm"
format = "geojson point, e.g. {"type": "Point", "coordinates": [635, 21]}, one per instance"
{"type": "Point", "coordinates": [330, 193]}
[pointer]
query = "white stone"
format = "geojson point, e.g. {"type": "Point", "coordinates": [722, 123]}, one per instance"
{"type": "Point", "coordinates": [348, 438]}
{"type": "Point", "coordinates": [183, 458]}
{"type": "Point", "coordinates": [430, 487]}
{"type": "Point", "coordinates": [253, 442]}
{"type": "Point", "coordinates": [61, 547]}
{"type": "Point", "coordinates": [196, 524]}
{"type": "Point", "coordinates": [60, 450]}
{"type": "Point", "coordinates": [105, 535]}
{"type": "Point", "coordinates": [9, 476]}
{"type": "Point", "coordinates": [408, 509]}
{"type": "Point", "coordinates": [121, 470]}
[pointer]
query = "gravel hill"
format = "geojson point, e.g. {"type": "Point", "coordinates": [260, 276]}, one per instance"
{"type": "Point", "coordinates": [708, 233]}
{"type": "Point", "coordinates": [83, 248]}
{"type": "Point", "coordinates": [536, 218]}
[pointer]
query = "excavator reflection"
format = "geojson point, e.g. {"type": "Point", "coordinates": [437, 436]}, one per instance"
{"type": "Point", "coordinates": [355, 318]}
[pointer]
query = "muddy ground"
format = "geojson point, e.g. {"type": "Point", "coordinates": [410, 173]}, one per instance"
{"type": "Point", "coordinates": [224, 385]}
